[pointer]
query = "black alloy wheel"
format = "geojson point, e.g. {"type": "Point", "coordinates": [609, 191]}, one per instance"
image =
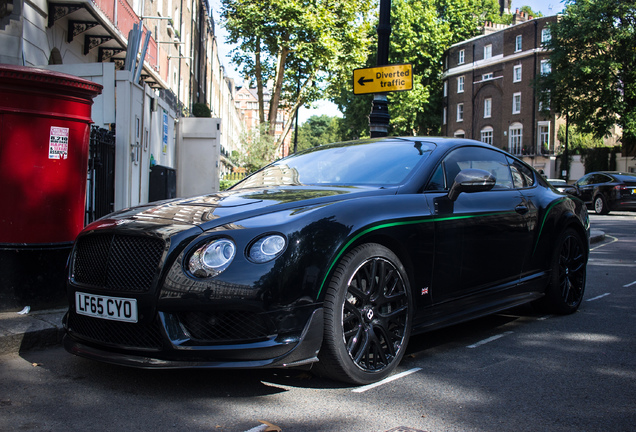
{"type": "Point", "coordinates": [368, 310]}
{"type": "Point", "coordinates": [569, 268]}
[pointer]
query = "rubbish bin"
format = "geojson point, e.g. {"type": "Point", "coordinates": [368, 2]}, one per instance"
{"type": "Point", "coordinates": [45, 121]}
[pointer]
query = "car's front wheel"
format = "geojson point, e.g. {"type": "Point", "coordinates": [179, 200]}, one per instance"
{"type": "Point", "coordinates": [567, 280]}
{"type": "Point", "coordinates": [368, 313]}
{"type": "Point", "coordinates": [600, 205]}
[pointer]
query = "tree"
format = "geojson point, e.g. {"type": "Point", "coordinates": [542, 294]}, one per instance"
{"type": "Point", "coordinates": [422, 30]}
{"type": "Point", "coordinates": [259, 148]}
{"type": "Point", "coordinates": [298, 45]}
{"type": "Point", "coordinates": [318, 130]}
{"type": "Point", "coordinates": [593, 62]}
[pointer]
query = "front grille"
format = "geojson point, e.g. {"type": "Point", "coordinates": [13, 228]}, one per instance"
{"type": "Point", "coordinates": [115, 333]}
{"type": "Point", "coordinates": [224, 326]}
{"type": "Point", "coordinates": [117, 262]}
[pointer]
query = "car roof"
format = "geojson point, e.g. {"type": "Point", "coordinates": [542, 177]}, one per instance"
{"type": "Point", "coordinates": [616, 174]}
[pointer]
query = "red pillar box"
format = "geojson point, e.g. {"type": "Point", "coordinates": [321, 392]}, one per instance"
{"type": "Point", "coordinates": [44, 138]}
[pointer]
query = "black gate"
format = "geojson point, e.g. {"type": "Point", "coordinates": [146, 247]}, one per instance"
{"type": "Point", "coordinates": [100, 187]}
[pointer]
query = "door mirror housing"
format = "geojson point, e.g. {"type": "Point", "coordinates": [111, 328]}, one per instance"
{"type": "Point", "coordinates": [471, 180]}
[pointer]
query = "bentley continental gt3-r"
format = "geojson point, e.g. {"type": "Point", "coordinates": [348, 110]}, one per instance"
{"type": "Point", "coordinates": [331, 257]}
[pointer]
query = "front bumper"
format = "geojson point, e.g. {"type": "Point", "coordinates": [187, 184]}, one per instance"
{"type": "Point", "coordinates": [162, 345]}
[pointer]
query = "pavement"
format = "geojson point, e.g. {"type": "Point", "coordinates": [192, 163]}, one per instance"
{"type": "Point", "coordinates": [40, 329]}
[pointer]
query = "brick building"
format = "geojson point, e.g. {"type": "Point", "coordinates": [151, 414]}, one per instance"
{"type": "Point", "coordinates": [488, 93]}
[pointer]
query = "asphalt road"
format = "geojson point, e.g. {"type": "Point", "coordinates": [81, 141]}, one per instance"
{"type": "Point", "coordinates": [516, 371]}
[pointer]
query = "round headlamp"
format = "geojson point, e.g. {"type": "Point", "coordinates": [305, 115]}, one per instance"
{"type": "Point", "coordinates": [212, 258]}
{"type": "Point", "coordinates": [267, 248]}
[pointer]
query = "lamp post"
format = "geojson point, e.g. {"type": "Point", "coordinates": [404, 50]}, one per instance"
{"type": "Point", "coordinates": [379, 117]}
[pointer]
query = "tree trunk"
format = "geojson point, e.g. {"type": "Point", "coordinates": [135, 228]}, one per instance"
{"type": "Point", "coordinates": [259, 82]}
{"type": "Point", "coordinates": [278, 87]}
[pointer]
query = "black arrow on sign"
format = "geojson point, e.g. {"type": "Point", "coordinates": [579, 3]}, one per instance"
{"type": "Point", "coordinates": [361, 81]}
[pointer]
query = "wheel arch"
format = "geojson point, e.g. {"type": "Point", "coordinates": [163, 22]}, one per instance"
{"type": "Point", "coordinates": [391, 243]}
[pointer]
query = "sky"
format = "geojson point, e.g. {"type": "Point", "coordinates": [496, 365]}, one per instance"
{"type": "Point", "coordinates": [546, 7]}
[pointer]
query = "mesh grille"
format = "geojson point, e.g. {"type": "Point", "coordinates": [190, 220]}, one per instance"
{"type": "Point", "coordinates": [116, 262]}
{"type": "Point", "coordinates": [224, 326]}
{"type": "Point", "coordinates": [115, 333]}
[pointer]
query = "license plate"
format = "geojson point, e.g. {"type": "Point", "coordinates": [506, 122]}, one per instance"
{"type": "Point", "coordinates": [110, 308]}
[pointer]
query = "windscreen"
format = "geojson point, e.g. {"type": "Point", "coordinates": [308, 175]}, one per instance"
{"type": "Point", "coordinates": [362, 163]}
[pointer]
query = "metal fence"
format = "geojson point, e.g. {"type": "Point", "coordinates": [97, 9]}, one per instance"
{"type": "Point", "coordinates": [100, 187]}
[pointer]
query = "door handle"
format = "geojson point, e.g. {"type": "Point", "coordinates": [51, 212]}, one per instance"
{"type": "Point", "coordinates": [521, 209]}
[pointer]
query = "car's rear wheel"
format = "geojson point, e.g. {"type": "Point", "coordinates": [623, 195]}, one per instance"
{"type": "Point", "coordinates": [600, 205]}
{"type": "Point", "coordinates": [368, 313]}
{"type": "Point", "coordinates": [567, 281]}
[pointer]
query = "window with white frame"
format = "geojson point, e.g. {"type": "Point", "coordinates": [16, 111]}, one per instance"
{"type": "Point", "coordinates": [518, 43]}
{"type": "Point", "coordinates": [461, 56]}
{"type": "Point", "coordinates": [486, 135]}
{"type": "Point", "coordinates": [487, 107]}
{"type": "Point", "coordinates": [459, 133]}
{"type": "Point", "coordinates": [516, 103]}
{"type": "Point", "coordinates": [515, 139]}
{"type": "Point", "coordinates": [488, 76]}
{"type": "Point", "coordinates": [460, 84]}
{"type": "Point", "coordinates": [546, 67]}
{"type": "Point", "coordinates": [445, 88]}
{"type": "Point", "coordinates": [543, 146]}
{"type": "Point", "coordinates": [444, 116]}
{"type": "Point", "coordinates": [545, 35]}
{"type": "Point", "coordinates": [545, 103]}
{"type": "Point", "coordinates": [460, 112]}
{"type": "Point", "coordinates": [516, 73]}
{"type": "Point", "coordinates": [488, 51]}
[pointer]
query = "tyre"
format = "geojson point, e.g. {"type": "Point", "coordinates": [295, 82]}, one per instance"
{"type": "Point", "coordinates": [368, 312]}
{"type": "Point", "coordinates": [600, 205]}
{"type": "Point", "coordinates": [567, 279]}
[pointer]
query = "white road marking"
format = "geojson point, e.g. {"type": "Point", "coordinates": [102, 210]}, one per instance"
{"type": "Point", "coordinates": [490, 339]}
{"type": "Point", "coordinates": [598, 297]}
{"type": "Point", "coordinates": [386, 380]}
{"type": "Point", "coordinates": [629, 284]}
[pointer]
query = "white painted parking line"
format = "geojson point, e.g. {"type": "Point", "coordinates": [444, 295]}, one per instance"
{"type": "Point", "coordinates": [490, 339]}
{"type": "Point", "coordinates": [598, 297]}
{"type": "Point", "coordinates": [386, 380]}
{"type": "Point", "coordinates": [629, 284]}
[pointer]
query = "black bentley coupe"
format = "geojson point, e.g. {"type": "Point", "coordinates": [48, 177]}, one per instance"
{"type": "Point", "coordinates": [333, 257]}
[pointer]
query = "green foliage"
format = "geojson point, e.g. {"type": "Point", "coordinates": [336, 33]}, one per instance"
{"type": "Point", "coordinates": [422, 30]}
{"type": "Point", "coordinates": [259, 148]}
{"type": "Point", "coordinates": [593, 78]}
{"type": "Point", "coordinates": [578, 142]}
{"type": "Point", "coordinates": [529, 11]}
{"type": "Point", "coordinates": [304, 46]}
{"type": "Point", "coordinates": [226, 184]}
{"type": "Point", "coordinates": [318, 130]}
{"type": "Point", "coordinates": [201, 110]}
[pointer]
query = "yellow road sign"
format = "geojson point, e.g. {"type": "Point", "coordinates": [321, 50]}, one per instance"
{"type": "Point", "coordinates": [383, 79]}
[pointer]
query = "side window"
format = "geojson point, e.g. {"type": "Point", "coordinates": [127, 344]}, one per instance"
{"type": "Point", "coordinates": [437, 181]}
{"type": "Point", "coordinates": [522, 175]}
{"type": "Point", "coordinates": [584, 181]}
{"type": "Point", "coordinates": [473, 157]}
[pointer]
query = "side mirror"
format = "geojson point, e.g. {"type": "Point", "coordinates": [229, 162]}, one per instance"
{"type": "Point", "coordinates": [471, 180]}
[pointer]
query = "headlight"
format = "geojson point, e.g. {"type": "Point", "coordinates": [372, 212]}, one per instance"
{"type": "Point", "coordinates": [267, 248]}
{"type": "Point", "coordinates": [212, 258]}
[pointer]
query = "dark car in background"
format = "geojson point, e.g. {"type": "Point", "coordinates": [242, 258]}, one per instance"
{"type": "Point", "coordinates": [562, 186]}
{"type": "Point", "coordinates": [331, 257]}
{"type": "Point", "coordinates": [605, 191]}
